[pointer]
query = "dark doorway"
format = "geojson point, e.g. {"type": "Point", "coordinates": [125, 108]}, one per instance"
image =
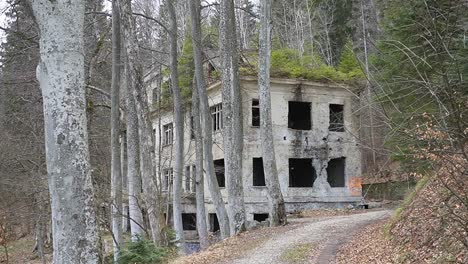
{"type": "Point", "coordinates": [189, 221]}
{"type": "Point", "coordinates": [336, 118]}
{"type": "Point", "coordinates": [336, 172]}
{"type": "Point", "coordinates": [258, 172]}
{"type": "Point", "coordinates": [260, 217]}
{"type": "Point", "coordinates": [301, 173]}
{"type": "Point", "coordinates": [214, 223]}
{"type": "Point", "coordinates": [219, 171]}
{"type": "Point", "coordinates": [299, 116]}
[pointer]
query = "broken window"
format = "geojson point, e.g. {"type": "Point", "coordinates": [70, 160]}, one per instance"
{"type": "Point", "coordinates": [336, 118]}
{"type": "Point", "coordinates": [189, 221]}
{"type": "Point", "coordinates": [260, 217]}
{"type": "Point", "coordinates": [255, 113]}
{"type": "Point", "coordinates": [167, 178]}
{"type": "Point", "coordinates": [219, 171]}
{"type": "Point", "coordinates": [194, 176]}
{"type": "Point", "coordinates": [301, 173]}
{"type": "Point", "coordinates": [299, 116]}
{"type": "Point", "coordinates": [217, 116]}
{"type": "Point", "coordinates": [192, 128]}
{"type": "Point", "coordinates": [336, 172]}
{"type": "Point", "coordinates": [155, 96]}
{"type": "Point", "coordinates": [187, 178]}
{"type": "Point", "coordinates": [258, 172]}
{"type": "Point", "coordinates": [167, 134]}
{"type": "Point", "coordinates": [214, 223]}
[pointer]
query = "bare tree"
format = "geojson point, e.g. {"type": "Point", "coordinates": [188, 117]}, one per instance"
{"type": "Point", "coordinates": [232, 116]}
{"type": "Point", "coordinates": [275, 197]}
{"type": "Point", "coordinates": [205, 119]}
{"type": "Point", "coordinates": [135, 87]}
{"type": "Point", "coordinates": [133, 170]}
{"type": "Point", "coordinates": [116, 176]}
{"type": "Point", "coordinates": [199, 179]}
{"type": "Point", "coordinates": [179, 130]}
{"type": "Point", "coordinates": [61, 77]}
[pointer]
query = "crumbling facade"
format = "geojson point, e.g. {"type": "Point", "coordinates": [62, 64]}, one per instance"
{"type": "Point", "coordinates": [316, 141]}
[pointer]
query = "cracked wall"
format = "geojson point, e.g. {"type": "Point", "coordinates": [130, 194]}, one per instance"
{"type": "Point", "coordinates": [317, 143]}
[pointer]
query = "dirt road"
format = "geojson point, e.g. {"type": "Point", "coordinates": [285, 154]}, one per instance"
{"type": "Point", "coordinates": [316, 241]}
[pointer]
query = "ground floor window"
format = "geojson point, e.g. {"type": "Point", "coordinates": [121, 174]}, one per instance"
{"type": "Point", "coordinates": [189, 221]}
{"type": "Point", "coordinates": [301, 173]}
{"type": "Point", "coordinates": [336, 172]}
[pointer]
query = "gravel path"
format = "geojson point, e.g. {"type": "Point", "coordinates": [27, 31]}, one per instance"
{"type": "Point", "coordinates": [327, 233]}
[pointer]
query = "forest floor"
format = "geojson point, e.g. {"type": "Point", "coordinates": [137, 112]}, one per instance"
{"type": "Point", "coordinates": [316, 237]}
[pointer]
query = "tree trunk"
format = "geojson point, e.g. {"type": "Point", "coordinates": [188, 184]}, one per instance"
{"type": "Point", "coordinates": [179, 131]}
{"type": "Point", "coordinates": [116, 176]}
{"type": "Point", "coordinates": [147, 157]}
{"type": "Point", "coordinates": [205, 119]}
{"type": "Point", "coordinates": [275, 197]}
{"type": "Point", "coordinates": [123, 171]}
{"type": "Point", "coordinates": [199, 182]}
{"type": "Point", "coordinates": [232, 117]}
{"type": "Point", "coordinates": [133, 170]}
{"type": "Point", "coordinates": [61, 77]}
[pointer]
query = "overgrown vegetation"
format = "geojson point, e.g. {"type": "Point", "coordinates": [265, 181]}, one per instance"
{"type": "Point", "coordinates": [286, 63]}
{"type": "Point", "coordinates": [143, 251]}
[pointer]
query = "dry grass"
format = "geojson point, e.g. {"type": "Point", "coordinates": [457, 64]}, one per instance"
{"type": "Point", "coordinates": [299, 253]}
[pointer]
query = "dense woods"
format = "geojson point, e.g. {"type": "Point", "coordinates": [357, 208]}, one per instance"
{"type": "Point", "coordinates": [84, 85]}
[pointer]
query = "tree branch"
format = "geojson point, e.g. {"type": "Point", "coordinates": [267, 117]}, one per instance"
{"type": "Point", "coordinates": [152, 19]}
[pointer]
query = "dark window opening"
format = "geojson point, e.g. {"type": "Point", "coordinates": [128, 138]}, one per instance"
{"type": "Point", "coordinates": [214, 223]}
{"type": "Point", "coordinates": [187, 178]}
{"type": "Point", "coordinates": [258, 172]}
{"type": "Point", "coordinates": [336, 172]}
{"type": "Point", "coordinates": [336, 118]}
{"type": "Point", "coordinates": [299, 115]}
{"type": "Point", "coordinates": [255, 113]}
{"type": "Point", "coordinates": [260, 217]}
{"type": "Point", "coordinates": [301, 173]}
{"type": "Point", "coordinates": [155, 96]}
{"type": "Point", "coordinates": [219, 171]}
{"type": "Point", "coordinates": [194, 177]}
{"type": "Point", "coordinates": [189, 221]}
{"type": "Point", "coordinates": [192, 128]}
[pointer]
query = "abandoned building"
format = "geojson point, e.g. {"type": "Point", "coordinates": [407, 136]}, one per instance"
{"type": "Point", "coordinates": [316, 144]}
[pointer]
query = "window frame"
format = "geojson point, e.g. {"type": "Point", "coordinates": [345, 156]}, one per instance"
{"type": "Point", "coordinates": [216, 112]}
{"type": "Point", "coordinates": [168, 134]}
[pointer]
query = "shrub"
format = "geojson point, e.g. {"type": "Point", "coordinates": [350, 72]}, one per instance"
{"type": "Point", "coordinates": [142, 251]}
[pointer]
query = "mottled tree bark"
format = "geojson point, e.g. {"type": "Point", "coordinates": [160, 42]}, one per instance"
{"type": "Point", "coordinates": [199, 179]}
{"type": "Point", "coordinates": [135, 85]}
{"type": "Point", "coordinates": [116, 176]}
{"type": "Point", "coordinates": [205, 119]}
{"type": "Point", "coordinates": [179, 130]}
{"type": "Point", "coordinates": [232, 117]}
{"type": "Point", "coordinates": [123, 171]}
{"type": "Point", "coordinates": [62, 81]}
{"type": "Point", "coordinates": [275, 197]}
{"type": "Point", "coordinates": [133, 170]}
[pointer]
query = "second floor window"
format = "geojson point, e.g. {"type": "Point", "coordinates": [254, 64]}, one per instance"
{"type": "Point", "coordinates": [255, 113]}
{"type": "Point", "coordinates": [167, 134]}
{"type": "Point", "coordinates": [336, 118]}
{"type": "Point", "coordinates": [217, 116]}
{"type": "Point", "coordinates": [167, 179]}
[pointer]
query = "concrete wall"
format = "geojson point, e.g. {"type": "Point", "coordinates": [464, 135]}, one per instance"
{"type": "Point", "coordinates": [318, 143]}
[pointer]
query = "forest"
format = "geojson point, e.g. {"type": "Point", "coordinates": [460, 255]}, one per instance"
{"type": "Point", "coordinates": [131, 131]}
